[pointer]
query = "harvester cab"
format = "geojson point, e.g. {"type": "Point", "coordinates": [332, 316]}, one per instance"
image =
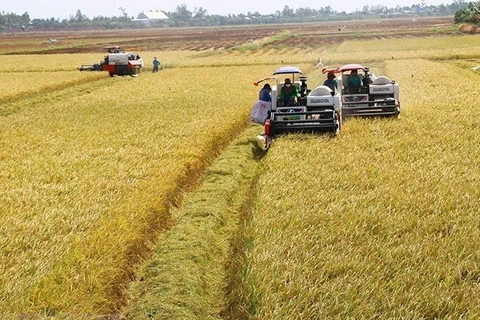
{"type": "Point", "coordinates": [317, 110]}
{"type": "Point", "coordinates": [376, 96]}
{"type": "Point", "coordinates": [117, 62]}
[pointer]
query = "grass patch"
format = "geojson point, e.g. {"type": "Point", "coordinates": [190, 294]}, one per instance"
{"type": "Point", "coordinates": [246, 47]}
{"type": "Point", "coordinates": [282, 36]}
{"type": "Point", "coordinates": [268, 41]}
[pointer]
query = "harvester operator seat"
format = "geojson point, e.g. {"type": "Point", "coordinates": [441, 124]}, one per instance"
{"type": "Point", "coordinates": [288, 100]}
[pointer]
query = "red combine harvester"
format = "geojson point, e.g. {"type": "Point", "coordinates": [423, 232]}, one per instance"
{"type": "Point", "coordinates": [117, 62]}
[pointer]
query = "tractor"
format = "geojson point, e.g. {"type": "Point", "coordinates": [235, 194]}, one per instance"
{"type": "Point", "coordinates": [317, 110]}
{"type": "Point", "coordinates": [374, 97]}
{"type": "Point", "coordinates": [117, 62]}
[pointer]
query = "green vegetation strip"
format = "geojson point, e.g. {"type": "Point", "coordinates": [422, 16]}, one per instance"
{"type": "Point", "coordinates": [193, 263]}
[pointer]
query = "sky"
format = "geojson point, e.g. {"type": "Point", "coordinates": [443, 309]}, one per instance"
{"type": "Point", "coordinates": [63, 9]}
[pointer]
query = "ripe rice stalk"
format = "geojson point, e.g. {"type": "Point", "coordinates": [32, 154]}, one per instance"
{"type": "Point", "coordinates": [88, 175]}
{"type": "Point", "coordinates": [21, 85]}
{"type": "Point", "coordinates": [381, 220]}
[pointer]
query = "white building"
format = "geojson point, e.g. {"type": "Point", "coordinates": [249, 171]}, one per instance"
{"type": "Point", "coordinates": [151, 16]}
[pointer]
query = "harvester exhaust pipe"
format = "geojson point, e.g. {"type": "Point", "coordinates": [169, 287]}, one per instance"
{"type": "Point", "coordinates": [303, 86]}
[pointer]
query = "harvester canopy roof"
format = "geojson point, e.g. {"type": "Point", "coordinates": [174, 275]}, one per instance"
{"type": "Point", "coordinates": [352, 66]}
{"type": "Point", "coordinates": [287, 70]}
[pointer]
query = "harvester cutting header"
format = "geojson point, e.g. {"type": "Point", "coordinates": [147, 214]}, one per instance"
{"type": "Point", "coordinates": [117, 62]}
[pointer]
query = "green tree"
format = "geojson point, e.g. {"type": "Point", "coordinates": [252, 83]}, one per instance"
{"type": "Point", "coordinates": [79, 17]}
{"type": "Point", "coordinates": [199, 13]}
{"type": "Point", "coordinates": [471, 14]}
{"type": "Point", "coordinates": [287, 12]}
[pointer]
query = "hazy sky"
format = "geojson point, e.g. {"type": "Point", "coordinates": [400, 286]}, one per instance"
{"type": "Point", "coordinates": [63, 9]}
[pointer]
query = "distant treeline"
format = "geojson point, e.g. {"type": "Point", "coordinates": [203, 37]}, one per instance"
{"type": "Point", "coordinates": [182, 17]}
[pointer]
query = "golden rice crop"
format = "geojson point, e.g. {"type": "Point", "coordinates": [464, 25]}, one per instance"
{"type": "Point", "coordinates": [87, 175]}
{"type": "Point", "coordinates": [468, 42]}
{"type": "Point", "coordinates": [52, 63]}
{"type": "Point", "coordinates": [438, 48]}
{"type": "Point", "coordinates": [189, 272]}
{"type": "Point", "coordinates": [364, 51]}
{"type": "Point", "coordinates": [325, 238]}
{"type": "Point", "coordinates": [21, 84]}
{"type": "Point", "coordinates": [380, 221]}
{"type": "Point", "coordinates": [212, 58]}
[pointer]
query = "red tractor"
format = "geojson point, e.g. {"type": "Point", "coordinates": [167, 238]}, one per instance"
{"type": "Point", "coordinates": [117, 62]}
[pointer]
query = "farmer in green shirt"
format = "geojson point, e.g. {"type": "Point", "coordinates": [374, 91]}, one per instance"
{"type": "Point", "coordinates": [288, 93]}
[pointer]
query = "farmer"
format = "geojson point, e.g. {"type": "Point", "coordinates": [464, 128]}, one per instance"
{"type": "Point", "coordinates": [156, 64]}
{"type": "Point", "coordinates": [367, 78]}
{"type": "Point", "coordinates": [264, 94]}
{"type": "Point", "coordinates": [354, 82]}
{"type": "Point", "coordinates": [288, 93]}
{"type": "Point", "coordinates": [331, 82]}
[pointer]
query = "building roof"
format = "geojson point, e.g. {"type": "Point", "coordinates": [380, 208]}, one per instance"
{"type": "Point", "coordinates": [152, 15]}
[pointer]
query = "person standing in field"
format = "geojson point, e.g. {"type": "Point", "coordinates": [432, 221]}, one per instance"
{"type": "Point", "coordinates": [261, 109]}
{"type": "Point", "coordinates": [156, 64]}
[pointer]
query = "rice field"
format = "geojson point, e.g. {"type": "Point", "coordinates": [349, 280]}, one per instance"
{"type": "Point", "coordinates": [151, 197]}
{"type": "Point", "coordinates": [380, 223]}
{"type": "Point", "coordinates": [87, 173]}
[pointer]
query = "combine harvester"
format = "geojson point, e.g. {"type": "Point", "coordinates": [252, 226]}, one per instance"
{"type": "Point", "coordinates": [317, 110]}
{"type": "Point", "coordinates": [376, 97]}
{"type": "Point", "coordinates": [117, 62]}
